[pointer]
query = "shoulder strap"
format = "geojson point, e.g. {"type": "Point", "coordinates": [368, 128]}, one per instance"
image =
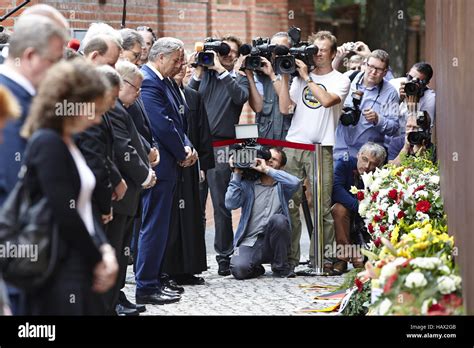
{"type": "Point", "coordinates": [353, 75]}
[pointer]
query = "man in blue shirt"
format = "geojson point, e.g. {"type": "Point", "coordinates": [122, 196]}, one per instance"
{"type": "Point", "coordinates": [263, 234]}
{"type": "Point", "coordinates": [345, 209]}
{"type": "Point", "coordinates": [378, 108]}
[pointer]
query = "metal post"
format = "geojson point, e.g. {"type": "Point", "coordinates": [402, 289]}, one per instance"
{"type": "Point", "coordinates": [318, 233]}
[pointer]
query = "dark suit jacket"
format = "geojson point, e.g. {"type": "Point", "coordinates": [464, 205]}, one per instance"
{"type": "Point", "coordinates": [142, 122]}
{"type": "Point", "coordinates": [166, 123]}
{"type": "Point", "coordinates": [343, 181]}
{"type": "Point", "coordinates": [131, 159]}
{"type": "Point", "coordinates": [97, 146]}
{"type": "Point", "coordinates": [52, 172]}
{"type": "Point", "coordinates": [13, 145]}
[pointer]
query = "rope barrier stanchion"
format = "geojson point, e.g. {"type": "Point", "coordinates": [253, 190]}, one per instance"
{"type": "Point", "coordinates": [318, 231]}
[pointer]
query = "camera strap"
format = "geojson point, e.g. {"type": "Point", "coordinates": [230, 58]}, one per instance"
{"type": "Point", "coordinates": [379, 88]}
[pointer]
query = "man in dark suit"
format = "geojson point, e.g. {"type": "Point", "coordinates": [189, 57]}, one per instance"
{"type": "Point", "coordinates": [168, 127]}
{"type": "Point", "coordinates": [38, 43]}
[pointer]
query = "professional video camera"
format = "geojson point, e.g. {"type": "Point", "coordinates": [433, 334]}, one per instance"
{"type": "Point", "coordinates": [422, 137]}
{"type": "Point", "coordinates": [261, 47]}
{"type": "Point", "coordinates": [415, 87]}
{"type": "Point", "coordinates": [205, 57]}
{"type": "Point", "coordinates": [301, 50]}
{"type": "Point", "coordinates": [245, 154]}
{"type": "Point", "coordinates": [351, 114]}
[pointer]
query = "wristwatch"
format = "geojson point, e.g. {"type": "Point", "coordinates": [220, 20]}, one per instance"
{"type": "Point", "coordinates": [277, 78]}
{"type": "Point", "coordinates": [309, 79]}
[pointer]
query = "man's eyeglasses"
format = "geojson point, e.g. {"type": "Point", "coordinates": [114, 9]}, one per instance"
{"type": "Point", "coordinates": [374, 68]}
{"type": "Point", "coordinates": [131, 84]}
{"type": "Point", "coordinates": [136, 55]}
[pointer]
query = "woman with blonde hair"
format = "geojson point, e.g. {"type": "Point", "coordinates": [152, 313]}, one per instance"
{"type": "Point", "coordinates": [70, 99]}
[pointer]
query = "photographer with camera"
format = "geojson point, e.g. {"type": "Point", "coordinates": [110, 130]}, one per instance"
{"type": "Point", "coordinates": [415, 94]}
{"type": "Point", "coordinates": [371, 111]}
{"type": "Point", "coordinates": [264, 233]}
{"type": "Point", "coordinates": [265, 87]}
{"type": "Point", "coordinates": [318, 96]}
{"type": "Point", "coordinates": [348, 224]}
{"type": "Point", "coordinates": [416, 140]}
{"type": "Point", "coordinates": [224, 93]}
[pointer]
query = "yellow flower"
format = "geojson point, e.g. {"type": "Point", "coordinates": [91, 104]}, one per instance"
{"type": "Point", "coordinates": [395, 234]}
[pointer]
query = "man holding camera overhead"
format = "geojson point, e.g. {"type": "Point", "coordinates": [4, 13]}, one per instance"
{"type": "Point", "coordinates": [224, 93]}
{"type": "Point", "coordinates": [370, 111]}
{"type": "Point", "coordinates": [318, 96]}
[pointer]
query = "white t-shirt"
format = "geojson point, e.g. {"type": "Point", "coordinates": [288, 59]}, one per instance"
{"type": "Point", "coordinates": [312, 123]}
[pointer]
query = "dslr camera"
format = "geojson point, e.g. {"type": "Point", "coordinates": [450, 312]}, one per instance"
{"type": "Point", "coordinates": [422, 137]}
{"type": "Point", "coordinates": [351, 114]}
{"type": "Point", "coordinates": [415, 88]}
{"type": "Point", "coordinates": [246, 153]}
{"type": "Point", "coordinates": [206, 57]}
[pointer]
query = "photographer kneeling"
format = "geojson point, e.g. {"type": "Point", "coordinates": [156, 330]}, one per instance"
{"type": "Point", "coordinates": [264, 233]}
{"type": "Point", "coordinates": [416, 140]}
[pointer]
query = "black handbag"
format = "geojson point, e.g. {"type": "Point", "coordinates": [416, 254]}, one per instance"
{"type": "Point", "coordinates": [29, 227]}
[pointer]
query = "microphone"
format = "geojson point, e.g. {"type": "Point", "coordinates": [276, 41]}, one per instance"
{"type": "Point", "coordinates": [74, 44]}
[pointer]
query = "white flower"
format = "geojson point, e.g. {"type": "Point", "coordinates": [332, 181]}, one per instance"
{"type": "Point", "coordinates": [446, 285]}
{"type": "Point", "coordinates": [457, 280]}
{"type": "Point", "coordinates": [367, 178]}
{"type": "Point", "coordinates": [415, 279]}
{"type": "Point", "coordinates": [417, 233]}
{"type": "Point", "coordinates": [422, 216]}
{"type": "Point", "coordinates": [384, 306]}
{"type": "Point", "coordinates": [399, 261]}
{"type": "Point", "coordinates": [384, 173]}
{"type": "Point", "coordinates": [387, 270]}
{"type": "Point", "coordinates": [375, 186]}
{"type": "Point", "coordinates": [354, 190]}
{"type": "Point", "coordinates": [444, 269]}
{"type": "Point", "coordinates": [421, 194]}
{"type": "Point", "coordinates": [362, 208]}
{"type": "Point", "coordinates": [434, 179]}
{"type": "Point", "coordinates": [426, 262]}
{"type": "Point", "coordinates": [392, 213]}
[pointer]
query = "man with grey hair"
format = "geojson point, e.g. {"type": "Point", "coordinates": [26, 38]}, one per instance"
{"type": "Point", "coordinates": [132, 45]}
{"type": "Point", "coordinates": [96, 29]}
{"type": "Point", "coordinates": [375, 115]}
{"type": "Point", "coordinates": [35, 45]}
{"type": "Point", "coordinates": [348, 224]}
{"type": "Point", "coordinates": [168, 127]}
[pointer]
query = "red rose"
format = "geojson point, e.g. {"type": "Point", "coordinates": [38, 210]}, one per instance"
{"type": "Point", "coordinates": [383, 229]}
{"type": "Point", "coordinates": [436, 309]}
{"type": "Point", "coordinates": [392, 194]}
{"type": "Point", "coordinates": [401, 214]}
{"type": "Point", "coordinates": [423, 206]}
{"type": "Point", "coordinates": [360, 195]}
{"type": "Point", "coordinates": [374, 196]}
{"type": "Point", "coordinates": [419, 188]}
{"type": "Point", "coordinates": [371, 228]}
{"type": "Point", "coordinates": [407, 179]}
{"type": "Point", "coordinates": [381, 213]}
{"type": "Point", "coordinates": [378, 242]}
{"type": "Point", "coordinates": [452, 300]}
{"type": "Point", "coordinates": [359, 284]}
{"type": "Point", "coordinates": [377, 218]}
{"type": "Point", "coordinates": [389, 283]}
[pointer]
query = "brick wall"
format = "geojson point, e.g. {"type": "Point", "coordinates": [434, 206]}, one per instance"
{"type": "Point", "coordinates": [190, 21]}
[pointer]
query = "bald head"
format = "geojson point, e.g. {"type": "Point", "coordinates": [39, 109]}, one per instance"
{"type": "Point", "coordinates": [47, 11]}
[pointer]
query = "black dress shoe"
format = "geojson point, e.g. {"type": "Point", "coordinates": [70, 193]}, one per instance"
{"type": "Point", "coordinates": [189, 279]}
{"type": "Point", "coordinates": [126, 312]}
{"type": "Point", "coordinates": [173, 285]}
{"type": "Point", "coordinates": [168, 291]}
{"type": "Point", "coordinates": [123, 300]}
{"type": "Point", "coordinates": [156, 298]}
{"type": "Point", "coordinates": [284, 274]}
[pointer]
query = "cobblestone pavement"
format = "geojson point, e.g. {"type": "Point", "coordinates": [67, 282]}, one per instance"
{"type": "Point", "coordinates": [227, 296]}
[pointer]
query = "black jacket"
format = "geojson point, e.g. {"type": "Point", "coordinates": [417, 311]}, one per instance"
{"type": "Point", "coordinates": [142, 122]}
{"type": "Point", "coordinates": [97, 147]}
{"type": "Point", "coordinates": [52, 172]}
{"type": "Point", "coordinates": [131, 158]}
